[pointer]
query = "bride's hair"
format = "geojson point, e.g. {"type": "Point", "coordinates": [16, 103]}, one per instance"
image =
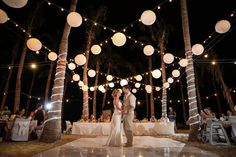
{"type": "Point", "coordinates": [115, 92]}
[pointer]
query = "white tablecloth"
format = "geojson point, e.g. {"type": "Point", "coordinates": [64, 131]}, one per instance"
{"type": "Point", "coordinates": [139, 128]}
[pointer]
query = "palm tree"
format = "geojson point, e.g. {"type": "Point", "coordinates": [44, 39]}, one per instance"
{"type": "Point", "coordinates": [182, 101]}
{"type": "Point", "coordinates": [6, 88]}
{"type": "Point", "coordinates": [52, 127]}
{"type": "Point", "coordinates": [151, 84]}
{"type": "Point", "coordinates": [30, 91]}
{"type": "Point", "coordinates": [48, 82]}
{"type": "Point", "coordinates": [96, 88]}
{"type": "Point", "coordinates": [106, 87]}
{"type": "Point", "coordinates": [193, 109]}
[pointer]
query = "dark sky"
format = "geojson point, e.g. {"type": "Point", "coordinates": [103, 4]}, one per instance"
{"type": "Point", "coordinates": [48, 26]}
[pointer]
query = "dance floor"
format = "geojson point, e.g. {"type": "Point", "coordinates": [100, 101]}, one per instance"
{"type": "Point", "coordinates": [144, 146]}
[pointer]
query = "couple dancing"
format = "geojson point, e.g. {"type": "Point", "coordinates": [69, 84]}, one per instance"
{"type": "Point", "coordinates": [125, 110]}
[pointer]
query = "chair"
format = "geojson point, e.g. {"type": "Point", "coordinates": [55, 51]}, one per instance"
{"type": "Point", "coordinates": [68, 127]}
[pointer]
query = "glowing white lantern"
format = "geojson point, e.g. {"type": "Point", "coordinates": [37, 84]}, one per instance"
{"type": "Point", "coordinates": [170, 80]}
{"type": "Point", "coordinates": [109, 78]}
{"type": "Point", "coordinates": [104, 90]}
{"type": "Point", "coordinates": [91, 73]}
{"type": "Point", "coordinates": [96, 49]}
{"type": "Point", "coordinates": [3, 16]}
{"type": "Point", "coordinates": [81, 83]}
{"type": "Point", "coordinates": [156, 73]}
{"type": "Point", "coordinates": [34, 44]}
{"type": "Point", "coordinates": [80, 59]}
{"type": "Point", "coordinates": [166, 85]}
{"type": "Point", "coordinates": [158, 88]}
{"type": "Point", "coordinates": [119, 39]}
{"type": "Point", "coordinates": [85, 88]}
{"type": "Point", "coordinates": [168, 58]}
{"type": "Point", "coordinates": [123, 82]}
{"type": "Point", "coordinates": [222, 26]}
{"type": "Point", "coordinates": [71, 66]}
{"type": "Point", "coordinates": [91, 89]}
{"type": "Point", "coordinates": [137, 85]}
{"type": "Point", "coordinates": [175, 73]}
{"type": "Point", "coordinates": [148, 88]}
{"type": "Point", "coordinates": [134, 90]}
{"type": "Point", "coordinates": [52, 56]}
{"type": "Point", "coordinates": [74, 19]}
{"type": "Point", "coordinates": [111, 84]}
{"type": "Point", "coordinates": [101, 88]}
{"type": "Point", "coordinates": [148, 17]}
{"type": "Point", "coordinates": [148, 50]}
{"type": "Point", "coordinates": [138, 77]}
{"type": "Point", "coordinates": [183, 62]}
{"type": "Point", "coordinates": [15, 3]}
{"type": "Point", "coordinates": [76, 77]}
{"type": "Point", "coordinates": [197, 49]}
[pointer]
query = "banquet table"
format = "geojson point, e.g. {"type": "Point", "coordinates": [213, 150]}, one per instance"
{"type": "Point", "coordinates": [140, 129]}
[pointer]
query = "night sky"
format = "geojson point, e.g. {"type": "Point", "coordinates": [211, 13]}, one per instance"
{"type": "Point", "coordinates": [48, 27]}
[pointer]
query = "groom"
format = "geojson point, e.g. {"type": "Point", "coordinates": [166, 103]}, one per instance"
{"type": "Point", "coordinates": [129, 103]}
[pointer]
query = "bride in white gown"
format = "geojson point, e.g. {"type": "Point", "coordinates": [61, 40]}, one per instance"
{"type": "Point", "coordinates": [115, 136]}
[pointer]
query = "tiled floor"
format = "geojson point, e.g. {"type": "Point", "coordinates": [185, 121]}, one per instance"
{"type": "Point", "coordinates": [144, 146]}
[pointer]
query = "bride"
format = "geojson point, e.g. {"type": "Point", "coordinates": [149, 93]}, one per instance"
{"type": "Point", "coordinates": [115, 136]}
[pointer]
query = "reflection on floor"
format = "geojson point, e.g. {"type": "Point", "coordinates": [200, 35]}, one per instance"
{"type": "Point", "coordinates": [144, 146]}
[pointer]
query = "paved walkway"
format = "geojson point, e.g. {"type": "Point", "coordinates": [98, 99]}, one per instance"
{"type": "Point", "coordinates": [144, 146]}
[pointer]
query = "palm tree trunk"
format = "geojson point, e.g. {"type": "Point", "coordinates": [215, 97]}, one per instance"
{"type": "Point", "coordinates": [147, 102]}
{"type": "Point", "coordinates": [106, 86]}
{"type": "Point", "coordinates": [198, 93]}
{"type": "Point", "coordinates": [52, 127]}
{"type": "Point", "coordinates": [193, 109]}
{"type": "Point", "coordinates": [151, 84]}
{"type": "Point", "coordinates": [6, 88]}
{"type": "Point", "coordinates": [182, 101]}
{"type": "Point", "coordinates": [48, 82]}
{"type": "Point", "coordinates": [30, 91]}
{"type": "Point", "coordinates": [63, 104]}
{"type": "Point", "coordinates": [96, 88]}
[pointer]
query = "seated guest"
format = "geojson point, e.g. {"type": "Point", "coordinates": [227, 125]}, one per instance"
{"type": "Point", "coordinates": [101, 119]}
{"type": "Point", "coordinates": [222, 117]}
{"type": "Point", "coordinates": [153, 119]}
{"type": "Point", "coordinates": [145, 120]}
{"type": "Point", "coordinates": [164, 118]}
{"type": "Point", "coordinates": [107, 119]}
{"type": "Point", "coordinates": [92, 119]}
{"type": "Point", "coordinates": [39, 115]}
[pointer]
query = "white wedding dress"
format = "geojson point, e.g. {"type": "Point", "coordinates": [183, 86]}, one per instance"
{"type": "Point", "coordinates": [115, 136]}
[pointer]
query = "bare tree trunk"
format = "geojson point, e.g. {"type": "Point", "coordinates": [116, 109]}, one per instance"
{"type": "Point", "coordinates": [147, 102]}
{"type": "Point", "coordinates": [151, 84]}
{"type": "Point", "coordinates": [48, 82]}
{"type": "Point", "coordinates": [182, 101]}
{"type": "Point", "coordinates": [96, 88]}
{"type": "Point", "coordinates": [6, 88]}
{"type": "Point", "coordinates": [194, 121]}
{"type": "Point", "coordinates": [198, 93]}
{"type": "Point", "coordinates": [30, 92]}
{"type": "Point", "coordinates": [106, 87]}
{"type": "Point", "coordinates": [52, 127]}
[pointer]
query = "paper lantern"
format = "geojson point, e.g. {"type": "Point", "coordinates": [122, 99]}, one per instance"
{"type": "Point", "coordinates": [91, 73]}
{"type": "Point", "coordinates": [119, 39]}
{"type": "Point", "coordinates": [137, 85]}
{"type": "Point", "coordinates": [76, 77]}
{"type": "Point", "coordinates": [123, 82]}
{"type": "Point", "coordinates": [81, 83]}
{"type": "Point", "coordinates": [74, 19]}
{"type": "Point", "coordinates": [34, 44]}
{"type": "Point", "coordinates": [197, 49]}
{"type": "Point", "coordinates": [111, 84]}
{"type": "Point", "coordinates": [3, 16]}
{"type": "Point", "coordinates": [148, 50]}
{"type": "Point", "coordinates": [166, 85]}
{"type": "Point", "coordinates": [52, 56]}
{"type": "Point", "coordinates": [175, 73]}
{"type": "Point", "coordinates": [101, 88]}
{"type": "Point", "coordinates": [138, 77]}
{"type": "Point", "coordinates": [148, 88]}
{"type": "Point", "coordinates": [109, 78]}
{"type": "Point", "coordinates": [158, 88]}
{"type": "Point", "coordinates": [96, 49]}
{"type": "Point", "coordinates": [80, 59]}
{"type": "Point", "coordinates": [104, 90]}
{"type": "Point", "coordinates": [91, 89]}
{"type": "Point", "coordinates": [183, 62]}
{"type": "Point", "coordinates": [85, 88]}
{"type": "Point", "coordinates": [222, 26]}
{"type": "Point", "coordinates": [71, 66]}
{"type": "Point", "coordinates": [170, 80]}
{"type": "Point", "coordinates": [156, 73]}
{"type": "Point", "coordinates": [134, 90]}
{"type": "Point", "coordinates": [15, 3]}
{"type": "Point", "coordinates": [148, 17]}
{"type": "Point", "coordinates": [168, 58]}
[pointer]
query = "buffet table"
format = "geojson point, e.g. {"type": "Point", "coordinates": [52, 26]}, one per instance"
{"type": "Point", "coordinates": [140, 129]}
